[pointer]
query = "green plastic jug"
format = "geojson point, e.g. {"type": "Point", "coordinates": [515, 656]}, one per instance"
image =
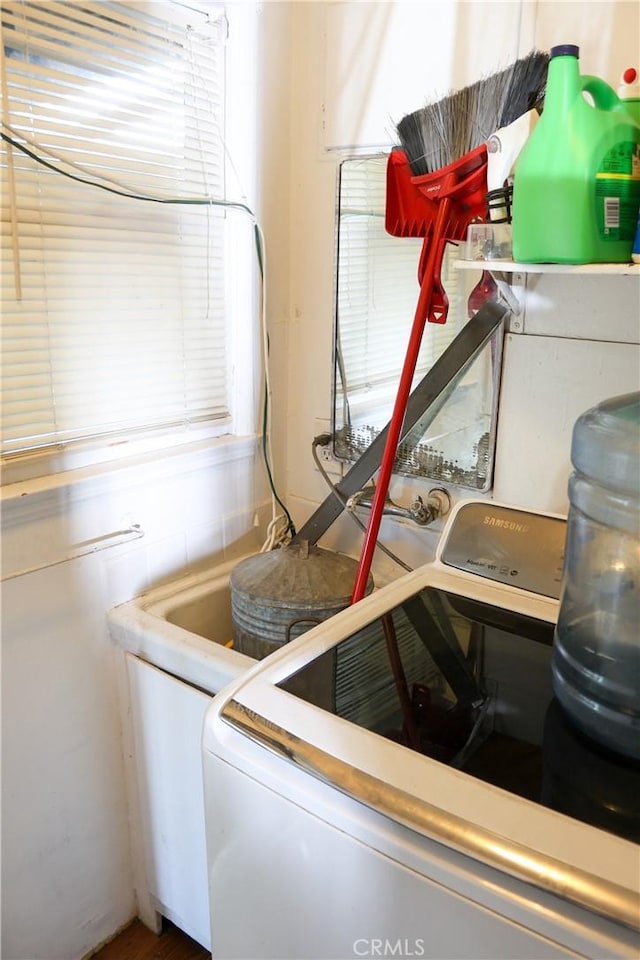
{"type": "Point", "coordinates": [576, 185]}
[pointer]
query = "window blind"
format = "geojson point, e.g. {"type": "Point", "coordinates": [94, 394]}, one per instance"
{"type": "Point", "coordinates": [115, 310]}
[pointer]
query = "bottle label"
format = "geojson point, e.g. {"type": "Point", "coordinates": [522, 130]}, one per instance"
{"type": "Point", "coordinates": [618, 192]}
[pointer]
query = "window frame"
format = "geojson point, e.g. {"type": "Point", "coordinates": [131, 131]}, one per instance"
{"type": "Point", "coordinates": [349, 441]}
{"type": "Point", "coordinates": [93, 454]}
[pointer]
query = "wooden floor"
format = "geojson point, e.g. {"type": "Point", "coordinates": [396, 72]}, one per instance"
{"type": "Point", "coordinates": [139, 943]}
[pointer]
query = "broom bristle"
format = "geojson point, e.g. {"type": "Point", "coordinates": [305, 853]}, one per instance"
{"type": "Point", "coordinates": [446, 130]}
{"type": "Point", "coordinates": [526, 87]}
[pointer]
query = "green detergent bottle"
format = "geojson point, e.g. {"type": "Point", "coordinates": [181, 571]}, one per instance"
{"type": "Point", "coordinates": [576, 184]}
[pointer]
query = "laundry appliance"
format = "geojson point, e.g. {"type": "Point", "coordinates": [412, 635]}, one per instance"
{"type": "Point", "coordinates": [433, 802]}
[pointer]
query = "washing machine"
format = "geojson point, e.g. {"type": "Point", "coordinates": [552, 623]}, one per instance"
{"type": "Point", "coordinates": [425, 796]}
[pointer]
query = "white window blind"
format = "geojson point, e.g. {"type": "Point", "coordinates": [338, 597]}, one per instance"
{"type": "Point", "coordinates": [114, 310]}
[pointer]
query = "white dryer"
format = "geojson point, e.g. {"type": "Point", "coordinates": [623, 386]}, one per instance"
{"type": "Point", "coordinates": [434, 802]}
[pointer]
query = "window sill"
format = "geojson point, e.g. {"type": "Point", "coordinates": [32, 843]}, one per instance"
{"type": "Point", "coordinates": [25, 476]}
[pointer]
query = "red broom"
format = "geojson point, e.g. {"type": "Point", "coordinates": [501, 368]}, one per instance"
{"type": "Point", "coordinates": [435, 187]}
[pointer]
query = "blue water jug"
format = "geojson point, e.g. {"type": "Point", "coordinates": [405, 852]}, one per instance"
{"type": "Point", "coordinates": [596, 653]}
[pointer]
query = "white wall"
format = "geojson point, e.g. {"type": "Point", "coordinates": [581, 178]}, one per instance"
{"type": "Point", "coordinates": [328, 75]}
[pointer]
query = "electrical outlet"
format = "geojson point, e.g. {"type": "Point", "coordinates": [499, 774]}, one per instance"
{"type": "Point", "coordinates": [325, 452]}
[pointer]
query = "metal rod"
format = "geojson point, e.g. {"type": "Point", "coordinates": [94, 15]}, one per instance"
{"type": "Point", "coordinates": [424, 398]}
{"type": "Point", "coordinates": [570, 883]}
{"type": "Point", "coordinates": [84, 548]}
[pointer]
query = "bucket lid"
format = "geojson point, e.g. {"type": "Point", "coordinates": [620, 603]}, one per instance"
{"type": "Point", "coordinates": [299, 572]}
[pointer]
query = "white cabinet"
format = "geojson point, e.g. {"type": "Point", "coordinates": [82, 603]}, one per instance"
{"type": "Point", "coordinates": [167, 716]}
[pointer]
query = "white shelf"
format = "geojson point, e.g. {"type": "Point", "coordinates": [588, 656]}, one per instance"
{"type": "Point", "coordinates": [510, 266]}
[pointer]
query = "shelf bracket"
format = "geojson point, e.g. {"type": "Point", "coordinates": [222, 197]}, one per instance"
{"type": "Point", "coordinates": [508, 284]}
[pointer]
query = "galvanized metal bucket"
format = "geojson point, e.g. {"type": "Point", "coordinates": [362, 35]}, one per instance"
{"type": "Point", "coordinates": [279, 595]}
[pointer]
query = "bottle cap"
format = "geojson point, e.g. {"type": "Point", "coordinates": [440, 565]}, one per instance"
{"type": "Point", "coordinates": [629, 88]}
{"type": "Point", "coordinates": [565, 50]}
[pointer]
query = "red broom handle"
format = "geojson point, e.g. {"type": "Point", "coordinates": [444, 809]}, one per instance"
{"type": "Point", "coordinates": [400, 406]}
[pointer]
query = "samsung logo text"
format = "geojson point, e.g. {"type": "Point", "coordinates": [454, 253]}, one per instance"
{"type": "Point", "coordinates": [506, 524]}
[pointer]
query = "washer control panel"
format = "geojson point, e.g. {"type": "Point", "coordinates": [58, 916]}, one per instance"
{"type": "Point", "coordinates": [511, 546]}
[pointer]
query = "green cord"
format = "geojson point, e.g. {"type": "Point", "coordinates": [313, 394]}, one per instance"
{"type": "Point", "coordinates": [193, 202]}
